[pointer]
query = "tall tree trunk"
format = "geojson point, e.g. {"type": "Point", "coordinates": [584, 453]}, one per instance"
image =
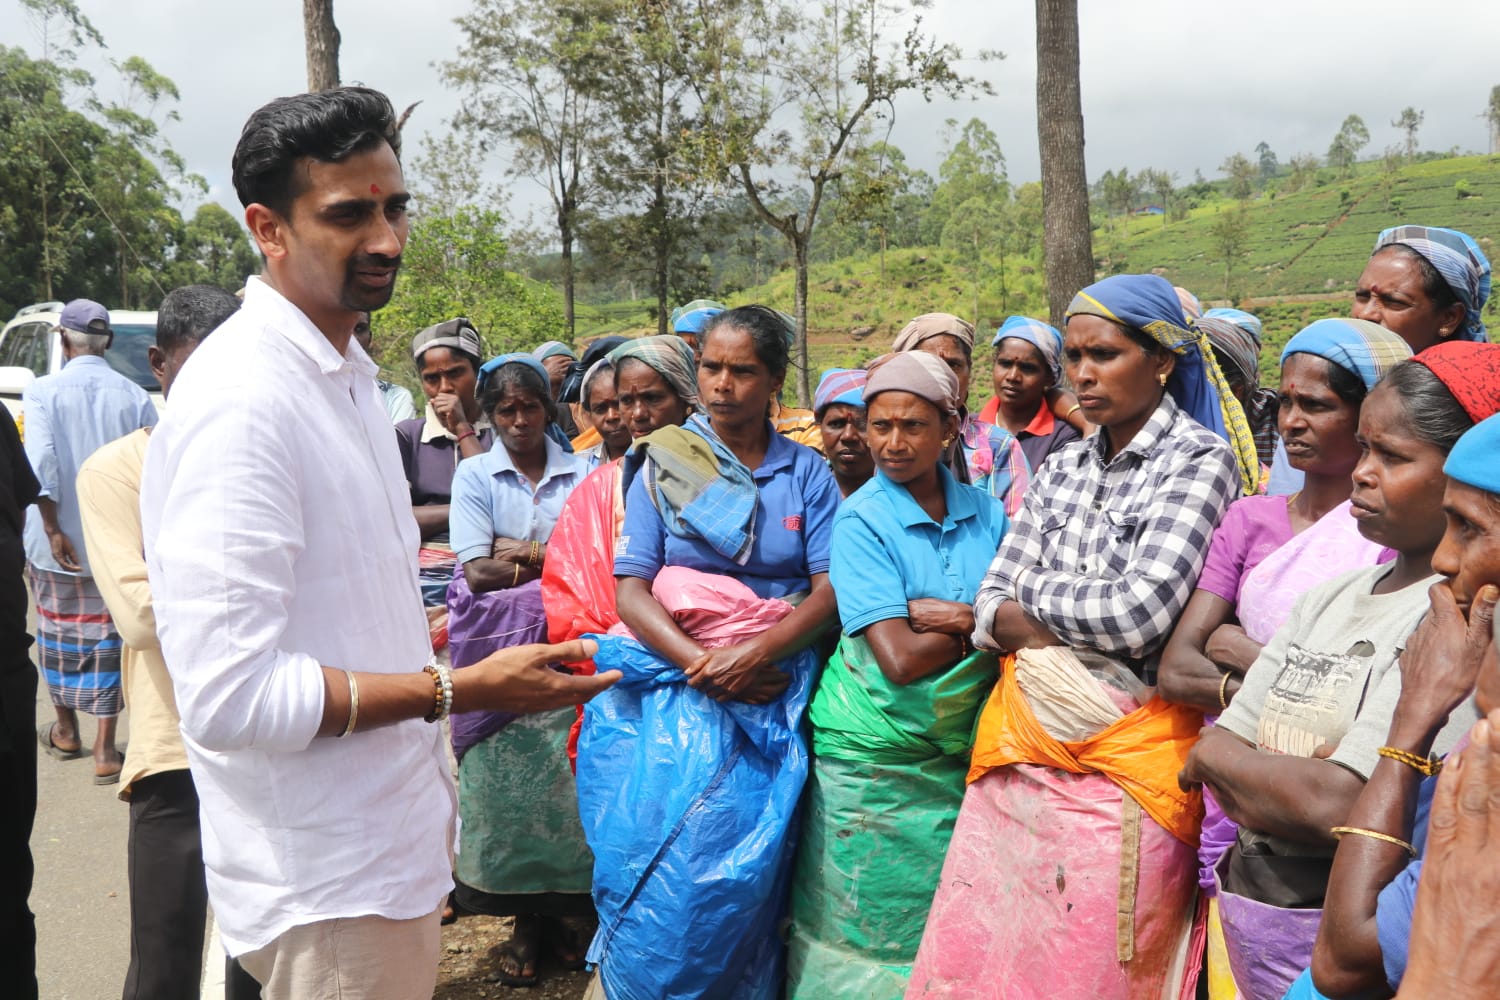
{"type": "Point", "coordinates": [1067, 250]}
{"type": "Point", "coordinates": [661, 246]}
{"type": "Point", "coordinates": [321, 36]}
{"type": "Point", "coordinates": [565, 236]}
{"type": "Point", "coordinates": [799, 258]}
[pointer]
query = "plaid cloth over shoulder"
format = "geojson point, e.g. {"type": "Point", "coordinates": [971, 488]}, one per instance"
{"type": "Point", "coordinates": [1107, 554]}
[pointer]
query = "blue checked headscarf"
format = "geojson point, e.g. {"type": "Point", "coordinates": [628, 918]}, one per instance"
{"type": "Point", "coordinates": [1043, 336]}
{"type": "Point", "coordinates": [840, 385]}
{"type": "Point", "coordinates": [1364, 349]}
{"type": "Point", "coordinates": [693, 317]}
{"type": "Point", "coordinates": [552, 348]}
{"type": "Point", "coordinates": [1149, 303]}
{"type": "Point", "coordinates": [1458, 259]}
{"type": "Point", "coordinates": [1249, 322]}
{"type": "Point", "coordinates": [670, 357]}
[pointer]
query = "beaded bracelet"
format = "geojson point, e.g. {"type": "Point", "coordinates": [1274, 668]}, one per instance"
{"type": "Point", "coordinates": [442, 692]}
{"type": "Point", "coordinates": [1422, 765]}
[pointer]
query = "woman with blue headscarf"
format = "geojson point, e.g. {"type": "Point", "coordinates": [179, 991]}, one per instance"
{"type": "Point", "coordinates": [1028, 366]}
{"type": "Point", "coordinates": [521, 847]}
{"type": "Point", "coordinates": [1070, 872]}
{"type": "Point", "coordinates": [1425, 283]}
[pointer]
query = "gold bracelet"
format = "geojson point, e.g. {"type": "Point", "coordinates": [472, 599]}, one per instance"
{"type": "Point", "coordinates": [1075, 409]}
{"type": "Point", "coordinates": [1339, 831]}
{"type": "Point", "coordinates": [1422, 765]}
{"type": "Point", "coordinates": [535, 559]}
{"type": "Point", "coordinates": [517, 577]}
{"type": "Point", "coordinates": [353, 705]}
{"type": "Point", "coordinates": [1224, 691]}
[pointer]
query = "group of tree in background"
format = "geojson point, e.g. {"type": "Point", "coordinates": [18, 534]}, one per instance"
{"type": "Point", "coordinates": [89, 186]}
{"type": "Point", "coordinates": [686, 149]}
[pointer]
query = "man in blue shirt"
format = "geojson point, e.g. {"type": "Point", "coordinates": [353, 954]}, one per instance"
{"type": "Point", "coordinates": [68, 416]}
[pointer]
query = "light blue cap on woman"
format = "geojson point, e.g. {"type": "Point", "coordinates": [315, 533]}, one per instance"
{"type": "Point", "coordinates": [1475, 459]}
{"type": "Point", "coordinates": [1249, 322]}
{"type": "Point", "coordinates": [1043, 336]}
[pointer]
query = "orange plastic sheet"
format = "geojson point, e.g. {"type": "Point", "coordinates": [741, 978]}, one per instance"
{"type": "Point", "coordinates": [1142, 753]}
{"type": "Point", "coordinates": [578, 578]}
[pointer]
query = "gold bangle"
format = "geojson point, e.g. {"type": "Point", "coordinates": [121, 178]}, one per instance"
{"type": "Point", "coordinates": [1075, 409]}
{"type": "Point", "coordinates": [353, 704]}
{"type": "Point", "coordinates": [1224, 691]}
{"type": "Point", "coordinates": [1427, 766]}
{"type": "Point", "coordinates": [1339, 831]}
{"type": "Point", "coordinates": [516, 578]}
{"type": "Point", "coordinates": [535, 559]}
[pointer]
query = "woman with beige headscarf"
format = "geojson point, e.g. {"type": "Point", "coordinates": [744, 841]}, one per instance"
{"type": "Point", "coordinates": [893, 715]}
{"type": "Point", "coordinates": [982, 454]}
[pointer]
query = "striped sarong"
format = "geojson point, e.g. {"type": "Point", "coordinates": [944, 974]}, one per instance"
{"type": "Point", "coordinates": [78, 648]}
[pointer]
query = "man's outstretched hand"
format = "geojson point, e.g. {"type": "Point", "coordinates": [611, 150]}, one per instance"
{"type": "Point", "coordinates": [520, 679]}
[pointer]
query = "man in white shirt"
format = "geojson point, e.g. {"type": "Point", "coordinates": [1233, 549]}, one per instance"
{"type": "Point", "coordinates": [282, 556]}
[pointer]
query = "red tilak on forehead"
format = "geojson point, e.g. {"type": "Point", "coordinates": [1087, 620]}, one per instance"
{"type": "Point", "coordinates": [374, 188]}
{"type": "Point", "coordinates": [1291, 387]}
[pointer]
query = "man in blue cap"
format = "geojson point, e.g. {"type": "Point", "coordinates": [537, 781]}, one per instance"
{"type": "Point", "coordinates": [69, 415]}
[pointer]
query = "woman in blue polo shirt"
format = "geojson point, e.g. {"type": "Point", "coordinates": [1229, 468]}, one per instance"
{"type": "Point", "coordinates": [704, 738]}
{"type": "Point", "coordinates": [894, 711]}
{"type": "Point", "coordinates": [521, 849]}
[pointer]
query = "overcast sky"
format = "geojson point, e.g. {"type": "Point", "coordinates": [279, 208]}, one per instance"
{"type": "Point", "coordinates": [1172, 84]}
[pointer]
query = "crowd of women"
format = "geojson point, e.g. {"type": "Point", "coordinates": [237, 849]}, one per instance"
{"type": "Point", "coordinates": [1138, 675]}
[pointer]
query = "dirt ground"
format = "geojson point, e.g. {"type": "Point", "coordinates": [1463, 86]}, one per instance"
{"type": "Point", "coordinates": [466, 971]}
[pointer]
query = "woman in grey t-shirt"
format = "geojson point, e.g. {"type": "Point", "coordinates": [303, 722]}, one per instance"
{"type": "Point", "coordinates": [1294, 749]}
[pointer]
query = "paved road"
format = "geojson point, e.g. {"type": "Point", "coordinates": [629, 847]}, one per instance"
{"type": "Point", "coordinates": [82, 913]}
{"type": "Point", "coordinates": [80, 897]}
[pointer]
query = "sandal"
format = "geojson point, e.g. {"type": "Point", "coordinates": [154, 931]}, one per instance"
{"type": "Point", "coordinates": [519, 953]}
{"type": "Point", "coordinates": [569, 938]}
{"type": "Point", "coordinates": [44, 737]}
{"type": "Point", "coordinates": [111, 777]}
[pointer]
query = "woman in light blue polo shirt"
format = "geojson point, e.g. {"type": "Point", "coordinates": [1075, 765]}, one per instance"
{"type": "Point", "coordinates": [894, 712]}
{"type": "Point", "coordinates": [521, 847]}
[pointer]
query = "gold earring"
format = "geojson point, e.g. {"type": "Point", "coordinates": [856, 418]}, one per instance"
{"type": "Point", "coordinates": [947, 442]}
{"type": "Point", "coordinates": [1162, 378]}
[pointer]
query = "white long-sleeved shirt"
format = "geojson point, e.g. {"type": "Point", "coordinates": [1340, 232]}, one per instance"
{"type": "Point", "coordinates": [279, 537]}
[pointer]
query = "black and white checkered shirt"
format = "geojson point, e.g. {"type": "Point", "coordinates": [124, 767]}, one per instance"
{"type": "Point", "coordinates": [1106, 554]}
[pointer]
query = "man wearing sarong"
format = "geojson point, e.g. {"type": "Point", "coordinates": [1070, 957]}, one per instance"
{"type": "Point", "coordinates": [68, 417]}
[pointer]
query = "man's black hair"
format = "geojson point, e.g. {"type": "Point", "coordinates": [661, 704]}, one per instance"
{"type": "Point", "coordinates": [328, 127]}
{"type": "Point", "coordinates": [190, 313]}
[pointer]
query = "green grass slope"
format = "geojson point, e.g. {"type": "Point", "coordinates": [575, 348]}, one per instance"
{"type": "Point", "coordinates": [1303, 254]}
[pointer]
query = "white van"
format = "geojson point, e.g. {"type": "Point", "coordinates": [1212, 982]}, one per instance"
{"type": "Point", "coordinates": [31, 347]}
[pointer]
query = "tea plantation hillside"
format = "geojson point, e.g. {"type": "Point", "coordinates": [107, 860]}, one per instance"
{"type": "Point", "coordinates": [1299, 260]}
